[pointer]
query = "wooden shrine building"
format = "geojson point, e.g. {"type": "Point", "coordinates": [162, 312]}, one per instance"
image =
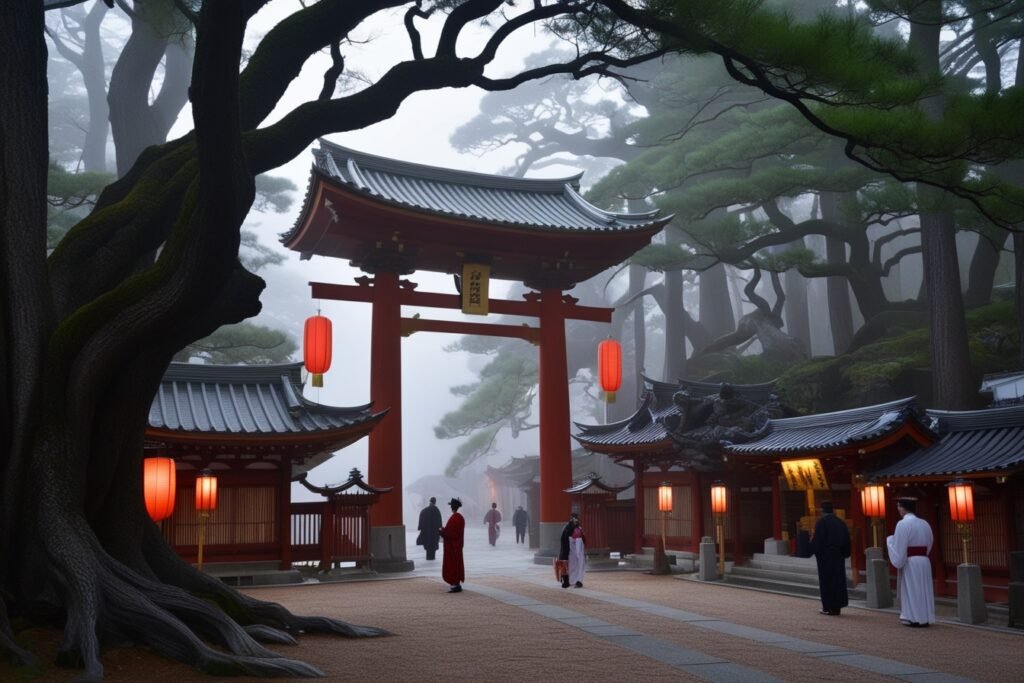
{"type": "Point", "coordinates": [391, 218]}
{"type": "Point", "coordinates": [252, 428]}
{"type": "Point", "coordinates": [985, 447]}
{"type": "Point", "coordinates": [674, 438]}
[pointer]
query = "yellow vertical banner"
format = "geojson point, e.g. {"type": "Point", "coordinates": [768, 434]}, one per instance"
{"type": "Point", "coordinates": [804, 475]}
{"type": "Point", "coordinates": [475, 279]}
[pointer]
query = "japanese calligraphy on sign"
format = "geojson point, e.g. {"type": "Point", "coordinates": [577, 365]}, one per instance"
{"type": "Point", "coordinates": [804, 475]}
{"type": "Point", "coordinates": [475, 280]}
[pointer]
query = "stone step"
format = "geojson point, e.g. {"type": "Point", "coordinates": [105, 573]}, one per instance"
{"type": "Point", "coordinates": [781, 576]}
{"type": "Point", "coordinates": [785, 587]}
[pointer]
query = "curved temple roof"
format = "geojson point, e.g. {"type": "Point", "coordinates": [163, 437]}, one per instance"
{"type": "Point", "coordinates": [972, 442]}
{"type": "Point", "coordinates": [826, 431]}
{"type": "Point", "coordinates": [359, 206]}
{"type": "Point", "coordinates": [252, 404]}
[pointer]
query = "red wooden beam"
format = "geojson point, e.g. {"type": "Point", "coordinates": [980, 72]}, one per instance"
{"type": "Point", "coordinates": [410, 325]}
{"type": "Point", "coordinates": [409, 297]}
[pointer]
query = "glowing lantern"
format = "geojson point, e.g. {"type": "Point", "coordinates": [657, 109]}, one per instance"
{"type": "Point", "coordinates": [316, 348]}
{"type": "Point", "coordinates": [206, 492]}
{"type": "Point", "coordinates": [158, 475]}
{"type": "Point", "coordinates": [718, 502]}
{"type": "Point", "coordinates": [665, 498]}
{"type": "Point", "coordinates": [961, 501]}
{"type": "Point", "coordinates": [719, 506]}
{"type": "Point", "coordinates": [872, 500]}
{"type": "Point", "coordinates": [609, 367]}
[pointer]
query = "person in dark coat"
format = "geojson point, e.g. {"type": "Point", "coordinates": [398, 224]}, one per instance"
{"type": "Point", "coordinates": [520, 520]}
{"type": "Point", "coordinates": [429, 528]}
{"type": "Point", "coordinates": [453, 571]}
{"type": "Point", "coordinates": [830, 546]}
{"type": "Point", "coordinates": [562, 564]}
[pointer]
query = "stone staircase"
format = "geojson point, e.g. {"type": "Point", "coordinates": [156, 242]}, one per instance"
{"type": "Point", "coordinates": [784, 574]}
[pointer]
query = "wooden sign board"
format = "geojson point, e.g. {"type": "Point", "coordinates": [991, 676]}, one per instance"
{"type": "Point", "coordinates": [475, 281]}
{"type": "Point", "coordinates": [804, 475]}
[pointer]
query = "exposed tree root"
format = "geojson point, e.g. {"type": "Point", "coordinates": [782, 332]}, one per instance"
{"type": "Point", "coordinates": [243, 609]}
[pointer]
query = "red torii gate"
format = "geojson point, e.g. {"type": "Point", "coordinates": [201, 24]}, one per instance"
{"type": "Point", "coordinates": [392, 218]}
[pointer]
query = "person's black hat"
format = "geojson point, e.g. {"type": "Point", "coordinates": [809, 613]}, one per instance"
{"type": "Point", "coordinates": [455, 503]}
{"type": "Point", "coordinates": [826, 507]}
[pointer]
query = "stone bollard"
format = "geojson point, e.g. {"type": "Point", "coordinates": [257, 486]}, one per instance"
{"type": "Point", "coordinates": [970, 596]}
{"type": "Point", "coordinates": [1016, 601]}
{"type": "Point", "coordinates": [708, 562]}
{"type": "Point", "coordinates": [879, 590]}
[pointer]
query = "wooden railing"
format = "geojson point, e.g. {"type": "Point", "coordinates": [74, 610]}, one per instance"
{"type": "Point", "coordinates": [343, 523]}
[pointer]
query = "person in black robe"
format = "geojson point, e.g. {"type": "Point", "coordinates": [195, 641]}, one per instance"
{"type": "Point", "coordinates": [830, 546]}
{"type": "Point", "coordinates": [429, 528]}
{"type": "Point", "coordinates": [563, 550]}
{"type": "Point", "coordinates": [520, 519]}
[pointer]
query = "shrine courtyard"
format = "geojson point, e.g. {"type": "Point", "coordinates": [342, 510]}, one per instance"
{"type": "Point", "coordinates": [513, 622]}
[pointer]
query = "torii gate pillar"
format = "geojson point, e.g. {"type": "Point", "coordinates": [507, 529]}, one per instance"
{"type": "Point", "coordinates": [387, 532]}
{"type": "Point", "coordinates": [555, 447]}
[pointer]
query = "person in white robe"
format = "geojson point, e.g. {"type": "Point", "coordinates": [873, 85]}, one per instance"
{"type": "Point", "coordinates": [908, 549]}
{"type": "Point", "coordinates": [577, 556]}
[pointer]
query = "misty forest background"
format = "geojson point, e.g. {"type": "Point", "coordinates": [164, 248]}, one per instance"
{"type": "Point", "coordinates": [845, 178]}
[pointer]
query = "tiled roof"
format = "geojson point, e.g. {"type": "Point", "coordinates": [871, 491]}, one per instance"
{"type": "Point", "coordinates": [256, 400]}
{"type": "Point", "coordinates": [647, 427]}
{"type": "Point", "coordinates": [592, 484]}
{"type": "Point", "coordinates": [527, 202]}
{"type": "Point", "coordinates": [829, 430]}
{"type": "Point", "coordinates": [973, 441]}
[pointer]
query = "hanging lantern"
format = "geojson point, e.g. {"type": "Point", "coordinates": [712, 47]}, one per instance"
{"type": "Point", "coordinates": [206, 492]}
{"type": "Point", "coordinates": [316, 348]}
{"type": "Point", "coordinates": [609, 367]}
{"type": "Point", "coordinates": [718, 502]}
{"type": "Point", "coordinates": [665, 498]}
{"type": "Point", "coordinates": [159, 477]}
{"type": "Point", "coordinates": [872, 500]}
{"type": "Point", "coordinates": [961, 501]}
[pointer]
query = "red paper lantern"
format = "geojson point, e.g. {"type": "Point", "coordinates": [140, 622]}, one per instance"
{"type": "Point", "coordinates": [719, 504]}
{"type": "Point", "coordinates": [961, 501]}
{"type": "Point", "coordinates": [609, 367]}
{"type": "Point", "coordinates": [872, 500]}
{"type": "Point", "coordinates": [206, 492]}
{"type": "Point", "coordinates": [316, 346]}
{"type": "Point", "coordinates": [159, 480]}
{"type": "Point", "coordinates": [665, 498]}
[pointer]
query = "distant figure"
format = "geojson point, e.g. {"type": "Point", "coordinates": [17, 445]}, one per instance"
{"type": "Point", "coordinates": [491, 519]}
{"type": "Point", "coordinates": [453, 571]}
{"type": "Point", "coordinates": [430, 528]}
{"type": "Point", "coordinates": [562, 563]}
{"type": "Point", "coordinates": [577, 555]}
{"type": "Point", "coordinates": [908, 551]}
{"type": "Point", "coordinates": [830, 546]}
{"type": "Point", "coordinates": [520, 520]}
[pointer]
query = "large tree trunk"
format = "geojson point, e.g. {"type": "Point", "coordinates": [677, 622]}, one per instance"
{"type": "Point", "coordinates": [982, 274]}
{"type": "Point", "coordinates": [798, 321]}
{"type": "Point", "coordinates": [158, 34]}
{"type": "Point", "coordinates": [953, 383]}
{"type": "Point", "coordinates": [715, 311]}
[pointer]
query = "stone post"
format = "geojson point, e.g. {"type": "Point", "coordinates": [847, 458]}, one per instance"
{"type": "Point", "coordinates": [879, 591]}
{"type": "Point", "coordinates": [970, 596]}
{"type": "Point", "coordinates": [708, 562]}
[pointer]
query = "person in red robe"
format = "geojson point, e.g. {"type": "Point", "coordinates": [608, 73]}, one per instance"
{"type": "Point", "coordinates": [453, 571]}
{"type": "Point", "coordinates": [491, 519]}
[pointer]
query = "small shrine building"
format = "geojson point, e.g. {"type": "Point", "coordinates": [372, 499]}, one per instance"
{"type": "Point", "coordinates": [250, 426]}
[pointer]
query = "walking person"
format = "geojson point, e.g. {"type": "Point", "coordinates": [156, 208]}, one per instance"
{"type": "Point", "coordinates": [453, 571]}
{"type": "Point", "coordinates": [908, 551]}
{"type": "Point", "coordinates": [430, 528]}
{"type": "Point", "coordinates": [562, 563]}
{"type": "Point", "coordinates": [830, 546]}
{"type": "Point", "coordinates": [577, 555]}
{"type": "Point", "coordinates": [520, 520]}
{"type": "Point", "coordinates": [491, 519]}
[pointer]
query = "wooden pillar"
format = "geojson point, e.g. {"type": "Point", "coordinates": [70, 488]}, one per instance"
{"type": "Point", "coordinates": [697, 504]}
{"type": "Point", "coordinates": [555, 452]}
{"type": "Point", "coordinates": [326, 535]}
{"type": "Point", "coordinates": [385, 442]}
{"type": "Point", "coordinates": [638, 512]}
{"type": "Point", "coordinates": [861, 532]}
{"type": "Point", "coordinates": [776, 509]}
{"type": "Point", "coordinates": [737, 528]}
{"type": "Point", "coordinates": [284, 513]}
